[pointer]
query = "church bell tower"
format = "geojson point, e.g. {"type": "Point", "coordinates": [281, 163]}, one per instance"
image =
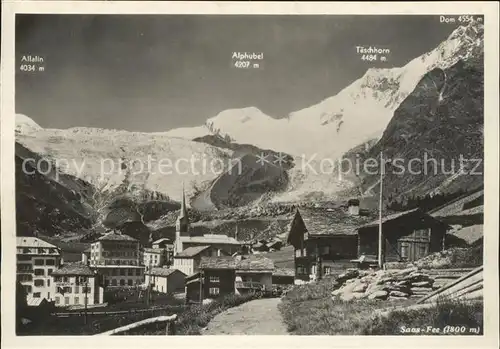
{"type": "Point", "coordinates": [182, 224]}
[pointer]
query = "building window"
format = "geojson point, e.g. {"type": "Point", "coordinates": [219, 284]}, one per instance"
{"type": "Point", "coordinates": [213, 291]}
{"type": "Point", "coordinates": [77, 289]}
{"type": "Point", "coordinates": [39, 283]}
{"type": "Point", "coordinates": [27, 288]}
{"type": "Point", "coordinates": [38, 261]}
{"type": "Point", "coordinates": [37, 295]}
{"type": "Point", "coordinates": [301, 270]}
{"type": "Point", "coordinates": [122, 282]}
{"type": "Point", "coordinates": [39, 272]}
{"type": "Point", "coordinates": [25, 277]}
{"type": "Point", "coordinates": [77, 301]}
{"type": "Point", "coordinates": [50, 262]}
{"type": "Point", "coordinates": [404, 250]}
{"type": "Point", "coordinates": [58, 300]}
{"type": "Point", "coordinates": [214, 279]}
{"type": "Point", "coordinates": [325, 250]}
{"type": "Point", "coordinates": [327, 270]}
{"type": "Point", "coordinates": [138, 272]}
{"type": "Point", "coordinates": [122, 272]}
{"type": "Point", "coordinates": [49, 272]}
{"type": "Point", "coordinates": [66, 300]}
{"type": "Point", "coordinates": [114, 282]}
{"type": "Point", "coordinates": [48, 282]}
{"type": "Point", "coordinates": [130, 282]}
{"type": "Point", "coordinates": [298, 253]}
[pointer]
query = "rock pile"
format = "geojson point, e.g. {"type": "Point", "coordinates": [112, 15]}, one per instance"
{"type": "Point", "coordinates": [392, 285]}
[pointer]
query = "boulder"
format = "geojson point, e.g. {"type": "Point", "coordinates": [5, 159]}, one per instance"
{"type": "Point", "coordinates": [347, 296]}
{"type": "Point", "coordinates": [393, 298]}
{"type": "Point", "coordinates": [406, 272]}
{"type": "Point", "coordinates": [398, 294]}
{"type": "Point", "coordinates": [421, 289]}
{"type": "Point", "coordinates": [403, 283]}
{"type": "Point", "coordinates": [360, 288]}
{"type": "Point", "coordinates": [416, 276]}
{"type": "Point", "coordinates": [349, 274]}
{"type": "Point", "coordinates": [358, 295]}
{"type": "Point", "coordinates": [374, 287]}
{"type": "Point", "coordinates": [427, 283]}
{"type": "Point", "coordinates": [336, 292]}
{"type": "Point", "coordinates": [381, 294]}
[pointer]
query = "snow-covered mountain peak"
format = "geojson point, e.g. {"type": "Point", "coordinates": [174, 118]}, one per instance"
{"type": "Point", "coordinates": [25, 124]}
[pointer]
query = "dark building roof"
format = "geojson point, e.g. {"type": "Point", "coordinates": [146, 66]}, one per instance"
{"type": "Point", "coordinates": [163, 272]}
{"type": "Point", "coordinates": [332, 221]}
{"type": "Point", "coordinates": [79, 269]}
{"type": "Point", "coordinates": [153, 250]}
{"type": "Point", "coordinates": [191, 251]}
{"type": "Point", "coordinates": [255, 262]}
{"type": "Point", "coordinates": [221, 262]}
{"type": "Point", "coordinates": [252, 262]}
{"type": "Point", "coordinates": [284, 272]}
{"type": "Point", "coordinates": [162, 240]}
{"type": "Point", "coordinates": [114, 236]}
{"type": "Point", "coordinates": [401, 215]}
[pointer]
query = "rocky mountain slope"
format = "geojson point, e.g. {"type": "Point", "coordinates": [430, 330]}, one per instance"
{"type": "Point", "coordinates": [357, 114]}
{"type": "Point", "coordinates": [442, 121]}
{"type": "Point", "coordinates": [112, 178]}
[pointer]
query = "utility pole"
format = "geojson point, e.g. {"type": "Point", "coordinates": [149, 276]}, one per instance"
{"type": "Point", "coordinates": [86, 296]}
{"type": "Point", "coordinates": [148, 299]}
{"type": "Point", "coordinates": [201, 286]}
{"type": "Point", "coordinates": [318, 261]}
{"type": "Point", "coordinates": [380, 235]}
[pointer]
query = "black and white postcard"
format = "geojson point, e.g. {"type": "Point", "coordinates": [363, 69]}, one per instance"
{"type": "Point", "coordinates": [308, 169]}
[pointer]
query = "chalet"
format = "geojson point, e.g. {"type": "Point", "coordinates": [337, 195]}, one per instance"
{"type": "Point", "coordinates": [408, 236]}
{"type": "Point", "coordinates": [165, 280]}
{"type": "Point", "coordinates": [216, 277]}
{"type": "Point", "coordinates": [283, 276]}
{"type": "Point", "coordinates": [324, 238]}
{"type": "Point", "coordinates": [254, 272]}
{"type": "Point", "coordinates": [224, 275]}
{"type": "Point", "coordinates": [162, 243]}
{"type": "Point", "coordinates": [76, 284]}
{"type": "Point", "coordinates": [188, 261]}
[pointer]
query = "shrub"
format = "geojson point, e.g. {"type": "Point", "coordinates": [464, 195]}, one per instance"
{"type": "Point", "coordinates": [317, 290]}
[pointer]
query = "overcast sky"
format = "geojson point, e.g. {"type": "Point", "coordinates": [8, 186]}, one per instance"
{"type": "Point", "coordinates": [154, 73]}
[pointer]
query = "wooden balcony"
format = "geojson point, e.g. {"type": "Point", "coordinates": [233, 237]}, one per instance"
{"type": "Point", "coordinates": [252, 285]}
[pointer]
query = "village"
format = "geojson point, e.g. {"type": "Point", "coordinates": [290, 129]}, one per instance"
{"type": "Point", "coordinates": [117, 272]}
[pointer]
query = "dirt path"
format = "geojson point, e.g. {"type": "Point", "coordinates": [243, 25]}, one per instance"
{"type": "Point", "coordinates": [260, 317]}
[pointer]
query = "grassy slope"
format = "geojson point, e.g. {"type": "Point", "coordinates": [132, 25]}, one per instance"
{"type": "Point", "coordinates": [310, 310]}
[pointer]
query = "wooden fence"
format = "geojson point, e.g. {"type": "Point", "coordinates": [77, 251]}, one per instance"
{"type": "Point", "coordinates": [469, 286]}
{"type": "Point", "coordinates": [169, 322]}
{"type": "Point", "coordinates": [118, 312]}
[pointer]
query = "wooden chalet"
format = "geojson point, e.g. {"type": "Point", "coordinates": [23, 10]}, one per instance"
{"type": "Point", "coordinates": [325, 238]}
{"type": "Point", "coordinates": [408, 236]}
{"type": "Point", "coordinates": [328, 239]}
{"type": "Point", "coordinates": [222, 275]}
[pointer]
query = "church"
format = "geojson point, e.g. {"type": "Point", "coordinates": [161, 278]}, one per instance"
{"type": "Point", "coordinates": [184, 237]}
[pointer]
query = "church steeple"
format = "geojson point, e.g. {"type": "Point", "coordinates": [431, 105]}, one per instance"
{"type": "Point", "coordinates": [182, 224]}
